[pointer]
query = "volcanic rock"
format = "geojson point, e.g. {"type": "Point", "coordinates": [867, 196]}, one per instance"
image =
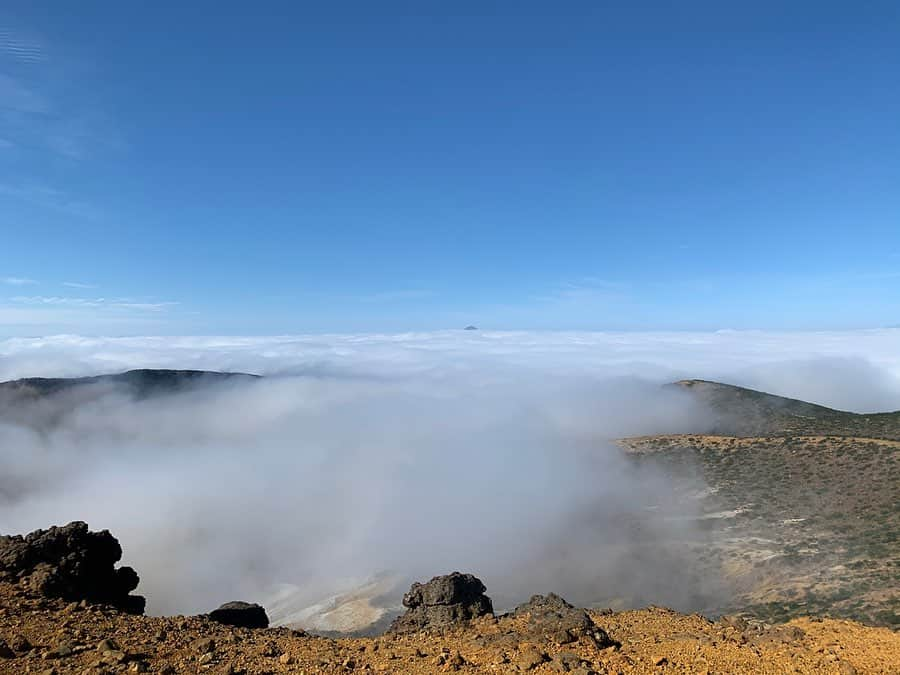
{"type": "Point", "coordinates": [242, 614]}
{"type": "Point", "coordinates": [549, 616]}
{"type": "Point", "coordinates": [445, 600]}
{"type": "Point", "coordinates": [71, 563]}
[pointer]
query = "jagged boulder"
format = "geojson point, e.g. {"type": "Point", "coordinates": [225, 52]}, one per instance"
{"type": "Point", "coordinates": [551, 617]}
{"type": "Point", "coordinates": [445, 600]}
{"type": "Point", "coordinates": [243, 614]}
{"type": "Point", "coordinates": [72, 563]}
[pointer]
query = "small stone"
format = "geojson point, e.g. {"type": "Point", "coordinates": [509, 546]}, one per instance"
{"type": "Point", "coordinates": [455, 660]}
{"type": "Point", "coordinates": [285, 659]}
{"type": "Point", "coordinates": [204, 645]}
{"type": "Point", "coordinates": [563, 637]}
{"type": "Point", "coordinates": [60, 651]}
{"type": "Point", "coordinates": [530, 657]}
{"type": "Point", "coordinates": [565, 662]}
{"type": "Point", "coordinates": [114, 656]}
{"type": "Point", "coordinates": [138, 667]}
{"type": "Point", "coordinates": [205, 658]}
{"type": "Point", "coordinates": [108, 645]}
{"type": "Point", "coordinates": [19, 643]}
{"type": "Point", "coordinates": [271, 649]}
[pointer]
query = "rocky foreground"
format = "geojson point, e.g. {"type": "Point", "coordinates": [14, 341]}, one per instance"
{"type": "Point", "coordinates": [51, 636]}
{"type": "Point", "coordinates": [449, 626]}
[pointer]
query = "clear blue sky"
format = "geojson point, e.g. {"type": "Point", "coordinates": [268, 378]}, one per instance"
{"type": "Point", "coordinates": [204, 167]}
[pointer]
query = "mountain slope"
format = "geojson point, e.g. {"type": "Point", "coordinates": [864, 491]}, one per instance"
{"type": "Point", "coordinates": [746, 412]}
{"type": "Point", "coordinates": [798, 504]}
{"type": "Point", "coordinates": [43, 403]}
{"type": "Point", "coordinates": [141, 382]}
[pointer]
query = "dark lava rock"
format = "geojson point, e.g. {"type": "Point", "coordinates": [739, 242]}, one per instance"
{"type": "Point", "coordinates": [71, 563]}
{"type": "Point", "coordinates": [549, 616]}
{"type": "Point", "coordinates": [445, 600]}
{"type": "Point", "coordinates": [243, 614]}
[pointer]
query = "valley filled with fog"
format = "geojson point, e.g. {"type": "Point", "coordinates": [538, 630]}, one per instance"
{"type": "Point", "coordinates": [380, 459]}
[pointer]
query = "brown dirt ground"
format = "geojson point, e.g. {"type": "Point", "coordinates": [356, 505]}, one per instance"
{"type": "Point", "coordinates": [652, 640]}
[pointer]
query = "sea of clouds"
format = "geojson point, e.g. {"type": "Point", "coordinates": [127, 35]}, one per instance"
{"type": "Point", "coordinates": [853, 370]}
{"type": "Point", "coordinates": [408, 454]}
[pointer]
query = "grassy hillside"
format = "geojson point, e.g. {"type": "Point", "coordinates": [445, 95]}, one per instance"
{"type": "Point", "coordinates": [796, 525]}
{"type": "Point", "coordinates": [745, 412]}
{"type": "Point", "coordinates": [799, 504]}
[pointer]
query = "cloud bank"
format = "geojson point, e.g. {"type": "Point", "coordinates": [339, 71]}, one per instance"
{"type": "Point", "coordinates": [411, 455]}
{"type": "Point", "coordinates": [856, 370]}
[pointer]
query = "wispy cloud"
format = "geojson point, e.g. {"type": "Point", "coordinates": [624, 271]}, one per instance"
{"type": "Point", "coordinates": [78, 284]}
{"type": "Point", "coordinates": [50, 198]}
{"type": "Point", "coordinates": [93, 303]}
{"type": "Point", "coordinates": [21, 48]}
{"type": "Point", "coordinates": [18, 281]}
{"type": "Point", "coordinates": [586, 290]}
{"type": "Point", "coordinates": [42, 108]}
{"type": "Point", "coordinates": [397, 296]}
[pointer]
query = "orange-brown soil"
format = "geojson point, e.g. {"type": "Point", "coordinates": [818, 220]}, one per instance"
{"type": "Point", "coordinates": [49, 636]}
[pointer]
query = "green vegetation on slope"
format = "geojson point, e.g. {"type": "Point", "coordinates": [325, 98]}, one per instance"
{"type": "Point", "coordinates": [745, 412]}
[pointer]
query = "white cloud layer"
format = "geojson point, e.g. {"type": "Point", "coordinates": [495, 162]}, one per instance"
{"type": "Point", "coordinates": [412, 454]}
{"type": "Point", "coordinates": [858, 370]}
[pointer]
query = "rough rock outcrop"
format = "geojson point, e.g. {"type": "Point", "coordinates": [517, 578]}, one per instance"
{"type": "Point", "coordinates": [242, 614]}
{"type": "Point", "coordinates": [445, 600]}
{"type": "Point", "coordinates": [551, 617]}
{"type": "Point", "coordinates": [71, 563]}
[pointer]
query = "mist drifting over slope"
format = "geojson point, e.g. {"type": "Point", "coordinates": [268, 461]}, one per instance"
{"type": "Point", "coordinates": [408, 454]}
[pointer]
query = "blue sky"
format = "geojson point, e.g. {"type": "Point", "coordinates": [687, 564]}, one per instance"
{"type": "Point", "coordinates": [307, 167]}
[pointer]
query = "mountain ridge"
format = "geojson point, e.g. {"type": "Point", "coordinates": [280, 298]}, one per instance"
{"type": "Point", "coordinates": [740, 411]}
{"type": "Point", "coordinates": [141, 379]}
